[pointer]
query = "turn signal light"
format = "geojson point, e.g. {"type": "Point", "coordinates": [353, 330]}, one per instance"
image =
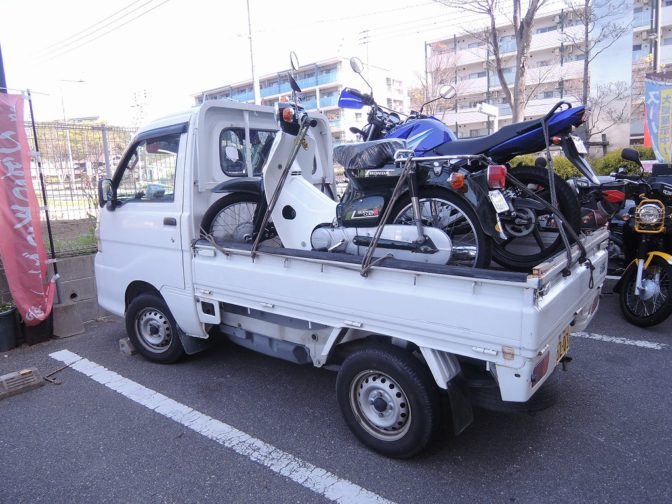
{"type": "Point", "coordinates": [456, 180]}
{"type": "Point", "coordinates": [496, 176]}
{"type": "Point", "coordinates": [288, 114]}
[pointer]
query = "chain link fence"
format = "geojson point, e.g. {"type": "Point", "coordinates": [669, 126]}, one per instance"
{"type": "Point", "coordinates": [73, 157]}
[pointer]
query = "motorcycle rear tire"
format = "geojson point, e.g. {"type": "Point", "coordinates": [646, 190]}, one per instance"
{"type": "Point", "coordinates": [468, 223]}
{"type": "Point", "coordinates": [568, 204]}
{"type": "Point", "coordinates": [632, 305]}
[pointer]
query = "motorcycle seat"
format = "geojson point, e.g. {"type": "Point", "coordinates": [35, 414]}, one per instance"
{"type": "Point", "coordinates": [482, 145]}
{"type": "Point", "coordinates": [367, 155]}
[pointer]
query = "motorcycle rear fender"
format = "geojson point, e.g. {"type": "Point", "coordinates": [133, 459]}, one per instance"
{"type": "Point", "coordinates": [649, 257]}
{"type": "Point", "coordinates": [249, 185]}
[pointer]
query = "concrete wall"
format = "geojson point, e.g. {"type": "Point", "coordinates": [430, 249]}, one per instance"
{"type": "Point", "coordinates": [77, 286]}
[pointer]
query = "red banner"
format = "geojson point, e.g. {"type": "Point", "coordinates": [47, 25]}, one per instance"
{"type": "Point", "coordinates": [21, 247]}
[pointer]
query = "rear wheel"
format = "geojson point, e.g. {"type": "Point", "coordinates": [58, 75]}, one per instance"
{"type": "Point", "coordinates": [389, 400]}
{"type": "Point", "coordinates": [654, 304]}
{"type": "Point", "coordinates": [453, 215]}
{"type": "Point", "coordinates": [534, 237]}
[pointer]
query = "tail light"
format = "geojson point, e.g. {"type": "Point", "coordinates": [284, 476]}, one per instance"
{"type": "Point", "coordinates": [613, 196]}
{"type": "Point", "coordinates": [556, 140]}
{"type": "Point", "coordinates": [496, 176]}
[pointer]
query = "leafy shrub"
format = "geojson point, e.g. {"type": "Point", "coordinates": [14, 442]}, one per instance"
{"type": "Point", "coordinates": [613, 161]}
{"type": "Point", "coordinates": [563, 167]}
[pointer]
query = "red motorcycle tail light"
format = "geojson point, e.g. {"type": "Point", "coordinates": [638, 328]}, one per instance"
{"type": "Point", "coordinates": [496, 176]}
{"type": "Point", "coordinates": [613, 196]}
{"type": "Point", "coordinates": [556, 140]}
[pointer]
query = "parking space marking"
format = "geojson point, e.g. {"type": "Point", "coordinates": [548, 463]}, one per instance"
{"type": "Point", "coordinates": [652, 345]}
{"type": "Point", "coordinates": [306, 474]}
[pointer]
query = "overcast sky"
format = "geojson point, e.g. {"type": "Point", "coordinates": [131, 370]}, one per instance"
{"type": "Point", "coordinates": [159, 53]}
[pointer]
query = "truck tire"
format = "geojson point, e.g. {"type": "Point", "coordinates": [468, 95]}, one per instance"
{"type": "Point", "coordinates": [471, 246]}
{"type": "Point", "coordinates": [389, 400]}
{"type": "Point", "coordinates": [152, 329]}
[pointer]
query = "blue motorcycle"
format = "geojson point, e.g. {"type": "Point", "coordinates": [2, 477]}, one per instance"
{"type": "Point", "coordinates": [529, 232]}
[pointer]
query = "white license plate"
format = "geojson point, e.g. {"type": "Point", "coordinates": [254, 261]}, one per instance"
{"type": "Point", "coordinates": [498, 201]}
{"type": "Point", "coordinates": [578, 143]}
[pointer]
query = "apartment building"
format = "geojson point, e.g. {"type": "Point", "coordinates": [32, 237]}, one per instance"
{"type": "Point", "coordinates": [555, 68]}
{"type": "Point", "coordinates": [321, 83]}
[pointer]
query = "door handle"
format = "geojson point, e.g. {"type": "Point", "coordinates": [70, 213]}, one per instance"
{"type": "Point", "coordinates": [169, 221]}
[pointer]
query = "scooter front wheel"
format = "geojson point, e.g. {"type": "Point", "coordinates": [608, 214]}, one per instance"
{"type": "Point", "coordinates": [231, 218]}
{"type": "Point", "coordinates": [653, 304]}
{"type": "Point", "coordinates": [455, 217]}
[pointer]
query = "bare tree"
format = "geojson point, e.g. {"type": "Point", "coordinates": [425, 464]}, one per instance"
{"type": "Point", "coordinates": [599, 31]}
{"type": "Point", "coordinates": [441, 70]}
{"type": "Point", "coordinates": [609, 106]}
{"type": "Point", "coordinates": [522, 25]}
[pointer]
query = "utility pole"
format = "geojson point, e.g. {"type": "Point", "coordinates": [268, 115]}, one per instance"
{"type": "Point", "coordinates": [255, 81]}
{"type": "Point", "coordinates": [3, 82]}
{"type": "Point", "coordinates": [655, 34]}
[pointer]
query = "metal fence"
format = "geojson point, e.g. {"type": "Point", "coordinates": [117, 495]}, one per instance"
{"type": "Point", "coordinates": [73, 157]}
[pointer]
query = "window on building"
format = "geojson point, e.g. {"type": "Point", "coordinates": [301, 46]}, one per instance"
{"type": "Point", "coordinates": [546, 29]}
{"type": "Point", "coordinates": [637, 47]}
{"type": "Point", "coordinates": [473, 45]}
{"type": "Point", "coordinates": [667, 40]}
{"type": "Point", "coordinates": [476, 75]}
{"type": "Point", "coordinates": [543, 63]}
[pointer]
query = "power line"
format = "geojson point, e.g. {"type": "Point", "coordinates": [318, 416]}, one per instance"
{"type": "Point", "coordinates": [62, 41]}
{"type": "Point", "coordinates": [114, 28]}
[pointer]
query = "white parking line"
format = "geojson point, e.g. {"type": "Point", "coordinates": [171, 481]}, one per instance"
{"type": "Point", "coordinates": [312, 477]}
{"type": "Point", "coordinates": [622, 341]}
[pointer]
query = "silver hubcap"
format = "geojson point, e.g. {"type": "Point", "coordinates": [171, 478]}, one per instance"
{"type": "Point", "coordinates": [153, 330]}
{"type": "Point", "coordinates": [380, 405]}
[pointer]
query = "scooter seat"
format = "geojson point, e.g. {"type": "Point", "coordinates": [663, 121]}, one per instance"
{"type": "Point", "coordinates": [366, 155]}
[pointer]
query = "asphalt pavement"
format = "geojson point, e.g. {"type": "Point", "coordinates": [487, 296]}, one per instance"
{"type": "Point", "coordinates": [607, 439]}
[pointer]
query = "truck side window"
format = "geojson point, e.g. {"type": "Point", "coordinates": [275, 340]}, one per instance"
{"type": "Point", "coordinates": [233, 150]}
{"type": "Point", "coordinates": [149, 172]}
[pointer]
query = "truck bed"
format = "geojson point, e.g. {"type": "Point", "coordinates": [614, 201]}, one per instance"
{"type": "Point", "coordinates": [503, 317]}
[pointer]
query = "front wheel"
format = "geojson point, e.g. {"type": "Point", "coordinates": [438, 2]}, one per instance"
{"type": "Point", "coordinates": [232, 218]}
{"type": "Point", "coordinates": [389, 400]}
{"type": "Point", "coordinates": [152, 329]}
{"type": "Point", "coordinates": [453, 215]}
{"type": "Point", "coordinates": [653, 304]}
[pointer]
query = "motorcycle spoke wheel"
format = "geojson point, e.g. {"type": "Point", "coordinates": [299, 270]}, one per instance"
{"type": "Point", "coordinates": [654, 303]}
{"type": "Point", "coordinates": [441, 209]}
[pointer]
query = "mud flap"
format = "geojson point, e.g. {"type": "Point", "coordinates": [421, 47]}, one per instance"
{"type": "Point", "coordinates": [194, 345]}
{"type": "Point", "coordinates": [460, 405]}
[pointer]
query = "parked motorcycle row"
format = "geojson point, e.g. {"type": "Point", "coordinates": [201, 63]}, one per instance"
{"type": "Point", "coordinates": [417, 192]}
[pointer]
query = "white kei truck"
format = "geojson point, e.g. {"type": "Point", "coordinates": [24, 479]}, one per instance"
{"type": "Point", "coordinates": [406, 339]}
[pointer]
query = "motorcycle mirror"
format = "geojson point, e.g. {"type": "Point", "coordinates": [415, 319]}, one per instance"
{"type": "Point", "coordinates": [356, 65]}
{"type": "Point", "coordinates": [447, 91]}
{"type": "Point", "coordinates": [294, 60]}
{"type": "Point", "coordinates": [631, 155]}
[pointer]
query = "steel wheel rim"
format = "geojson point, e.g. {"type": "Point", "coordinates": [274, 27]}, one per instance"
{"type": "Point", "coordinates": [380, 405]}
{"type": "Point", "coordinates": [441, 213]}
{"type": "Point", "coordinates": [657, 287]}
{"type": "Point", "coordinates": [154, 330]}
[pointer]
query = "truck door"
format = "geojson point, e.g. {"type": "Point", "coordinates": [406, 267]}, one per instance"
{"type": "Point", "coordinates": [140, 231]}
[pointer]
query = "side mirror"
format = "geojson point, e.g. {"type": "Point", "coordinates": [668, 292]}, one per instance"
{"type": "Point", "coordinates": [105, 191]}
{"type": "Point", "coordinates": [294, 60]}
{"type": "Point", "coordinates": [631, 155]}
{"type": "Point", "coordinates": [356, 65]}
{"type": "Point", "coordinates": [447, 91]}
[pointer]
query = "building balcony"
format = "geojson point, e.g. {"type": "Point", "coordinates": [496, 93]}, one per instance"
{"type": "Point", "coordinates": [329, 101]}
{"type": "Point", "coordinates": [243, 97]}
